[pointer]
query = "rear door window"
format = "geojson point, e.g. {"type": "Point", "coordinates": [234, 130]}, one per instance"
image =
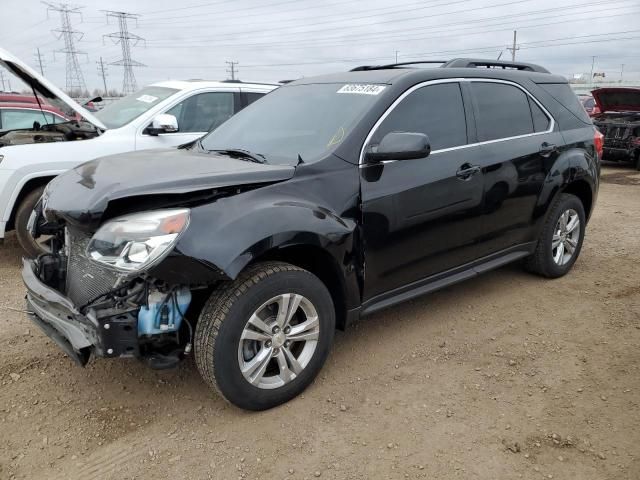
{"type": "Point", "coordinates": [24, 119]}
{"type": "Point", "coordinates": [435, 110]}
{"type": "Point", "coordinates": [253, 96]}
{"type": "Point", "coordinates": [540, 119]}
{"type": "Point", "coordinates": [503, 111]}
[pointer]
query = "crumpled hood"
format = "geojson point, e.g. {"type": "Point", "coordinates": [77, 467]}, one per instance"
{"type": "Point", "coordinates": [82, 195]}
{"type": "Point", "coordinates": [617, 99]}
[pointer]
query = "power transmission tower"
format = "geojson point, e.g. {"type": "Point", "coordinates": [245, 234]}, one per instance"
{"type": "Point", "coordinates": [38, 56]}
{"type": "Point", "coordinates": [125, 39]}
{"type": "Point", "coordinates": [75, 79]}
{"type": "Point", "coordinates": [232, 69]}
{"type": "Point", "coordinates": [515, 47]}
{"type": "Point", "coordinates": [102, 71]}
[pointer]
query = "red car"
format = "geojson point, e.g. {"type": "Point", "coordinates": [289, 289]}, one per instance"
{"type": "Point", "coordinates": [17, 98]}
{"type": "Point", "coordinates": [19, 115]}
{"type": "Point", "coordinates": [589, 104]}
{"type": "Point", "coordinates": [619, 120]}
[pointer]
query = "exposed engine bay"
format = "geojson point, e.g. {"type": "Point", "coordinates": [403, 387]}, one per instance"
{"type": "Point", "coordinates": [54, 132]}
{"type": "Point", "coordinates": [621, 135]}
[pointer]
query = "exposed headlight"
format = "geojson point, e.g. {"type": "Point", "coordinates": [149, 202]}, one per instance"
{"type": "Point", "coordinates": [135, 242]}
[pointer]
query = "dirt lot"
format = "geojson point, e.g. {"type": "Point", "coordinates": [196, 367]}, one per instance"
{"type": "Point", "coordinates": [505, 376]}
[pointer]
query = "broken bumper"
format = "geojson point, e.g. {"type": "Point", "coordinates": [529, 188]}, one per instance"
{"type": "Point", "coordinates": [76, 334]}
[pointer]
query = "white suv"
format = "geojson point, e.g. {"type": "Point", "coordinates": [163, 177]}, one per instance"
{"type": "Point", "coordinates": [164, 114]}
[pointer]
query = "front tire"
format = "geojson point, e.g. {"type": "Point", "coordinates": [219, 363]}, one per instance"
{"type": "Point", "coordinates": [560, 240]}
{"type": "Point", "coordinates": [263, 338]}
{"type": "Point", "coordinates": [30, 245]}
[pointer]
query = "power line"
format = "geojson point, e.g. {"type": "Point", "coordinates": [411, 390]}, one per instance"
{"type": "Point", "coordinates": [124, 38]}
{"type": "Point", "coordinates": [443, 32]}
{"type": "Point", "coordinates": [402, 32]}
{"type": "Point", "coordinates": [488, 48]}
{"type": "Point", "coordinates": [188, 7]}
{"type": "Point", "coordinates": [242, 17]}
{"type": "Point", "coordinates": [232, 69]}
{"type": "Point", "coordinates": [74, 78]}
{"type": "Point", "coordinates": [235, 10]}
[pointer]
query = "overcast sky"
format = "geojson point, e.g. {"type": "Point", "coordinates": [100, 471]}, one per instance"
{"type": "Point", "coordinates": [283, 39]}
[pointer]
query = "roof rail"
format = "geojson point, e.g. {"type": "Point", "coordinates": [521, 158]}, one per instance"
{"type": "Point", "coordinates": [461, 63]}
{"type": "Point", "coordinates": [479, 62]}
{"type": "Point", "coordinates": [252, 83]}
{"type": "Point", "coordinates": [393, 65]}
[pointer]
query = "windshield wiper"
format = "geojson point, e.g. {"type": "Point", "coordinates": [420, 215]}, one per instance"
{"type": "Point", "coordinates": [240, 153]}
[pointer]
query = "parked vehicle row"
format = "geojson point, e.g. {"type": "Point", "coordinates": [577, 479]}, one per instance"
{"type": "Point", "coordinates": [327, 200]}
{"type": "Point", "coordinates": [161, 115]}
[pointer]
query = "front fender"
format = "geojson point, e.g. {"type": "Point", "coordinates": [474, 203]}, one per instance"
{"type": "Point", "coordinates": [230, 234]}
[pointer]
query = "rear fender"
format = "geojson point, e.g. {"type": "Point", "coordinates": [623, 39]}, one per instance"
{"type": "Point", "coordinates": [571, 166]}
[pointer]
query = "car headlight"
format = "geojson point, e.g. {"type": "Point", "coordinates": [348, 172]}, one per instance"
{"type": "Point", "coordinates": [135, 242]}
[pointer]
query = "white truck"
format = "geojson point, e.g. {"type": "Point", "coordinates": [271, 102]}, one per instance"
{"type": "Point", "coordinates": [163, 114]}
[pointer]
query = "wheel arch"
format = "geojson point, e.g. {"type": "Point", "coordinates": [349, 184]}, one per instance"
{"type": "Point", "coordinates": [582, 190]}
{"type": "Point", "coordinates": [26, 188]}
{"type": "Point", "coordinates": [322, 264]}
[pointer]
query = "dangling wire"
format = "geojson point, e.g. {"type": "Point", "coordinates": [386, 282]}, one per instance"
{"type": "Point", "coordinates": [174, 297]}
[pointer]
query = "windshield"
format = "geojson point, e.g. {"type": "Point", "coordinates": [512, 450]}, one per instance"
{"type": "Point", "coordinates": [305, 120]}
{"type": "Point", "coordinates": [126, 109]}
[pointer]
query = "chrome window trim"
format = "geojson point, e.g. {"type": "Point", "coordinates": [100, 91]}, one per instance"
{"type": "Point", "coordinates": [552, 122]}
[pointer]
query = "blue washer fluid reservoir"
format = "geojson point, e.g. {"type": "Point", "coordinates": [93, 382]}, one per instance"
{"type": "Point", "coordinates": [162, 316]}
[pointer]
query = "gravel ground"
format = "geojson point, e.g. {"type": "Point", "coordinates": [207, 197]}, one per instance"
{"type": "Point", "coordinates": [505, 376]}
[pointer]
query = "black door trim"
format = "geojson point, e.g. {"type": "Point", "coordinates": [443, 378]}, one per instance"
{"type": "Point", "coordinates": [444, 279]}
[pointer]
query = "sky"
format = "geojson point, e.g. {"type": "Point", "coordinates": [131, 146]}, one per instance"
{"type": "Point", "coordinates": [274, 40]}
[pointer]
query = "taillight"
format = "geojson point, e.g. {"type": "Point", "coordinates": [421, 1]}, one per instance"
{"type": "Point", "coordinates": [598, 142]}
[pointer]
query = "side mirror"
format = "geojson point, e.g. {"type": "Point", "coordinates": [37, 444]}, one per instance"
{"type": "Point", "coordinates": [163, 123]}
{"type": "Point", "coordinates": [399, 146]}
{"type": "Point", "coordinates": [97, 99]}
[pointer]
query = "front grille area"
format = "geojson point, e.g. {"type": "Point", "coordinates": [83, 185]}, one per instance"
{"type": "Point", "coordinates": [86, 280]}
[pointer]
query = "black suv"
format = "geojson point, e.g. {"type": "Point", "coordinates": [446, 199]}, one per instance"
{"type": "Point", "coordinates": [329, 199]}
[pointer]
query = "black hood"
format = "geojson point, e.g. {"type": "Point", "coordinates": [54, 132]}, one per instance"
{"type": "Point", "coordinates": [82, 195]}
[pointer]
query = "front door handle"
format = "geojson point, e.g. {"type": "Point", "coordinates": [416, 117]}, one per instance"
{"type": "Point", "coordinates": [466, 171]}
{"type": "Point", "coordinates": [546, 149]}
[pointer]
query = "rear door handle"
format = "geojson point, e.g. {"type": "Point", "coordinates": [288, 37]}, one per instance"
{"type": "Point", "coordinates": [547, 149]}
{"type": "Point", "coordinates": [466, 171]}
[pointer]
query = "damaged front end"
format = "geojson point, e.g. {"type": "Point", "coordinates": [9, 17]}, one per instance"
{"type": "Point", "coordinates": [93, 294]}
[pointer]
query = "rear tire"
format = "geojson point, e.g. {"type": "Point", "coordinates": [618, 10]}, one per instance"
{"type": "Point", "coordinates": [262, 339]}
{"type": "Point", "coordinates": [560, 240]}
{"type": "Point", "coordinates": [29, 244]}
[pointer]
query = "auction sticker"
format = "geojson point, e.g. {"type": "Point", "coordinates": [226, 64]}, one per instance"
{"type": "Point", "coordinates": [362, 89]}
{"type": "Point", "coordinates": [147, 98]}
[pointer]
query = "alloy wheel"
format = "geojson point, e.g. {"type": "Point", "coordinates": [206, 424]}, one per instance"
{"type": "Point", "coordinates": [566, 236]}
{"type": "Point", "coordinates": [278, 341]}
